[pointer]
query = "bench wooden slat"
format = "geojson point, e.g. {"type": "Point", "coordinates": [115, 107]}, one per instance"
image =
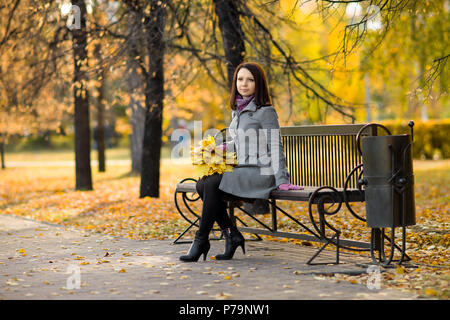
{"type": "Point", "coordinates": [320, 130]}
{"type": "Point", "coordinates": [293, 195]}
{"type": "Point", "coordinates": [186, 187]}
{"type": "Point", "coordinates": [322, 155]}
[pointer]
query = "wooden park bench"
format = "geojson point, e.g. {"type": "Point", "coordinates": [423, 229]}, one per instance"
{"type": "Point", "coordinates": [324, 159]}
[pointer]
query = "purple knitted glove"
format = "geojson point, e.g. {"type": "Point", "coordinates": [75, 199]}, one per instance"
{"type": "Point", "coordinates": [288, 186]}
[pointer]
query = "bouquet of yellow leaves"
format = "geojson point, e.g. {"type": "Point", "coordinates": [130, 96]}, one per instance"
{"type": "Point", "coordinates": [209, 159]}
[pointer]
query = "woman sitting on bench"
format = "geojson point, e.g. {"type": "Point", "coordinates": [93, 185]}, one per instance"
{"type": "Point", "coordinates": [252, 111]}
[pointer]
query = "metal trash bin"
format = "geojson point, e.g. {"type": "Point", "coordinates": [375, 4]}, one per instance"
{"type": "Point", "coordinates": [388, 188]}
{"type": "Point", "coordinates": [389, 181]}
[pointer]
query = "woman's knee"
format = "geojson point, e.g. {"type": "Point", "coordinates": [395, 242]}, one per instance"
{"type": "Point", "coordinates": [212, 182]}
{"type": "Point", "coordinates": [199, 186]}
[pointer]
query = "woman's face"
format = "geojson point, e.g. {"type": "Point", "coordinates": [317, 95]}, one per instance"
{"type": "Point", "coordinates": [245, 83]}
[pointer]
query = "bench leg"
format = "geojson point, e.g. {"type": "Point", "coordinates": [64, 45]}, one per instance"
{"type": "Point", "coordinates": [336, 236]}
{"type": "Point", "coordinates": [233, 218]}
{"type": "Point", "coordinates": [273, 210]}
{"type": "Point", "coordinates": [377, 243]}
{"type": "Point", "coordinates": [176, 241]}
{"type": "Point", "coordinates": [183, 233]}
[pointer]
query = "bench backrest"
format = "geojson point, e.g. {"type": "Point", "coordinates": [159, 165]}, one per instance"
{"type": "Point", "coordinates": [322, 155]}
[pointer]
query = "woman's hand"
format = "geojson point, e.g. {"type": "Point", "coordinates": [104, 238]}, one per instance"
{"type": "Point", "coordinates": [288, 186]}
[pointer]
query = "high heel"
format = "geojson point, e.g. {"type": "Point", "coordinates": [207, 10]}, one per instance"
{"type": "Point", "coordinates": [199, 247]}
{"type": "Point", "coordinates": [233, 240]}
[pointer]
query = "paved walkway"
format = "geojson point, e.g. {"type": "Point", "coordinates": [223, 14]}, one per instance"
{"type": "Point", "coordinates": [45, 261]}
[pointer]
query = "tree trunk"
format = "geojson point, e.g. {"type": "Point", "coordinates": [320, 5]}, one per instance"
{"type": "Point", "coordinates": [154, 95]}
{"type": "Point", "coordinates": [101, 128]}
{"type": "Point", "coordinates": [2, 153]}
{"type": "Point", "coordinates": [83, 174]}
{"type": "Point", "coordinates": [232, 35]}
{"type": "Point", "coordinates": [422, 60]}
{"type": "Point", "coordinates": [101, 114]}
{"type": "Point", "coordinates": [367, 97]}
{"type": "Point", "coordinates": [134, 82]}
{"type": "Point", "coordinates": [137, 135]}
{"type": "Point", "coordinates": [234, 47]}
{"type": "Point", "coordinates": [418, 52]}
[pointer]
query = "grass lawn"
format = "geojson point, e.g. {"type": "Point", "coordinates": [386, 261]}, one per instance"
{"type": "Point", "coordinates": [69, 155]}
{"type": "Point", "coordinates": [113, 207]}
{"type": "Point", "coordinates": [65, 155]}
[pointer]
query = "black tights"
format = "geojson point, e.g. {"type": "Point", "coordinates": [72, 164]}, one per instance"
{"type": "Point", "coordinates": [214, 207]}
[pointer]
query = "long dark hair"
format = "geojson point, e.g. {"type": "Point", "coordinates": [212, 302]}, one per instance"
{"type": "Point", "coordinates": [262, 97]}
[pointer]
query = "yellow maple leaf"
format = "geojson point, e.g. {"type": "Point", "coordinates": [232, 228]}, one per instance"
{"type": "Point", "coordinates": [208, 160]}
{"type": "Point", "coordinates": [431, 292]}
{"type": "Point", "coordinates": [208, 141]}
{"type": "Point", "coordinates": [400, 270]}
{"type": "Point", "coordinates": [202, 169]}
{"type": "Point", "coordinates": [216, 159]}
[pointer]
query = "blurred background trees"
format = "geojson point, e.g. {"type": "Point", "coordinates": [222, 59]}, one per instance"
{"type": "Point", "coordinates": [153, 66]}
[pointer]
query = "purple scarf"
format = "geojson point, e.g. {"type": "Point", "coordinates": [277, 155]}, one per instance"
{"type": "Point", "coordinates": [241, 102]}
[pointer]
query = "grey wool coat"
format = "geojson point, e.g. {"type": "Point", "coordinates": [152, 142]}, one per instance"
{"type": "Point", "coordinates": [254, 136]}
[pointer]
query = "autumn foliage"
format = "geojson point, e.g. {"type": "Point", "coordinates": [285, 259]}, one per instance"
{"type": "Point", "coordinates": [208, 158]}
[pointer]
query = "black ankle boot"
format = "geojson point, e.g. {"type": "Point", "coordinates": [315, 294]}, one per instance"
{"type": "Point", "coordinates": [199, 246]}
{"type": "Point", "coordinates": [233, 239]}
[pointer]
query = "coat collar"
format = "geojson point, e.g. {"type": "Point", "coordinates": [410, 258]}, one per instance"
{"type": "Point", "coordinates": [250, 107]}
